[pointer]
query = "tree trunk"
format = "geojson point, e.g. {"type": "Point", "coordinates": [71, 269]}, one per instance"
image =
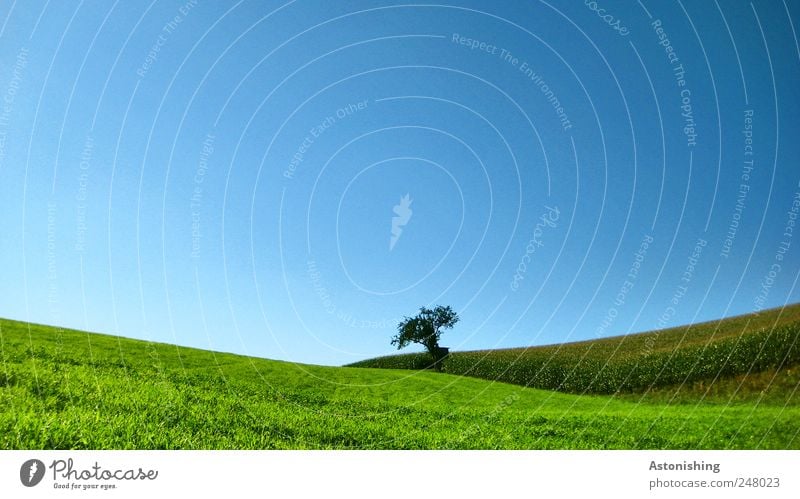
{"type": "Point", "coordinates": [439, 354]}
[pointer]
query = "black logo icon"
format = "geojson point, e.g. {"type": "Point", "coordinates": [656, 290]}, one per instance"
{"type": "Point", "coordinates": [31, 472]}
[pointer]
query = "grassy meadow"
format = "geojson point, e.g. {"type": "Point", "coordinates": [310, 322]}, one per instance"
{"type": "Point", "coordinates": [65, 389]}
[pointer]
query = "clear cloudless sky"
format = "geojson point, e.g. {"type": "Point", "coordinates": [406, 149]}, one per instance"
{"type": "Point", "coordinates": [229, 175]}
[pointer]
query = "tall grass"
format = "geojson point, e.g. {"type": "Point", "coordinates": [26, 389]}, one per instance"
{"type": "Point", "coordinates": [640, 362]}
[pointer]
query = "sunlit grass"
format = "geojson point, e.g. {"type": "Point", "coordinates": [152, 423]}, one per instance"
{"type": "Point", "coordinates": [69, 389]}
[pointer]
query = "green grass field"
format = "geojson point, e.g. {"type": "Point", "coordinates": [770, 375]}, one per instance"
{"type": "Point", "coordinates": [63, 389]}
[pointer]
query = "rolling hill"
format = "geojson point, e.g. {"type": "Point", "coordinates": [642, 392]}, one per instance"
{"type": "Point", "coordinates": [685, 359]}
{"type": "Point", "coordinates": [66, 389]}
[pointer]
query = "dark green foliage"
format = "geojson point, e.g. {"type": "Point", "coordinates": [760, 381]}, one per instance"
{"type": "Point", "coordinates": [635, 363]}
{"type": "Point", "coordinates": [415, 361]}
{"type": "Point", "coordinates": [753, 352]}
{"type": "Point", "coordinates": [426, 329]}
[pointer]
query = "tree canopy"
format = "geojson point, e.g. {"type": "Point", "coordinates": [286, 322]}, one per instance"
{"type": "Point", "coordinates": [426, 329]}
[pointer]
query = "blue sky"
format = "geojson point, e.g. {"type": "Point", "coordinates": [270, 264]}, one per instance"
{"type": "Point", "coordinates": [227, 175]}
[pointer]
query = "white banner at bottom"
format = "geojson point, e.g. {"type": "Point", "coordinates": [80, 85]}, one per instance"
{"type": "Point", "coordinates": [356, 474]}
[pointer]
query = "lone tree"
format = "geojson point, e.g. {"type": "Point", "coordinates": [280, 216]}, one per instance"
{"type": "Point", "coordinates": [426, 328]}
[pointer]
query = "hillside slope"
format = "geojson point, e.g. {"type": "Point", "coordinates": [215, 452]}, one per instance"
{"type": "Point", "coordinates": [696, 355]}
{"type": "Point", "coordinates": [62, 389]}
